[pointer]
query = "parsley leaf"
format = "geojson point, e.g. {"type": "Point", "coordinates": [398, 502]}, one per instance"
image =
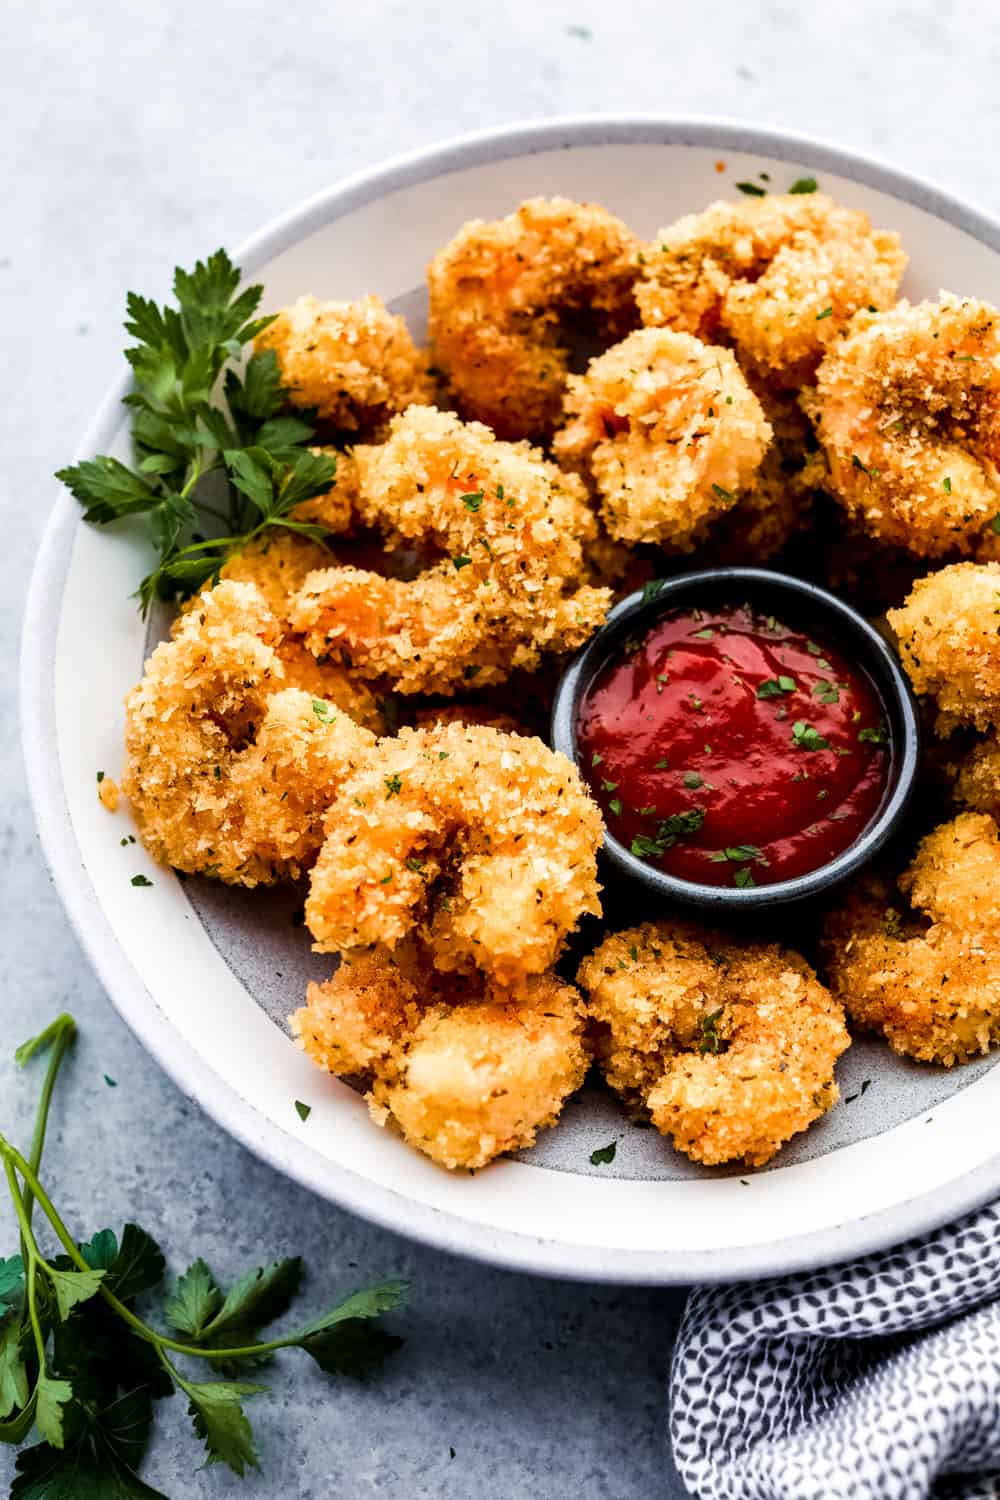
{"type": "Point", "coordinates": [806, 737]}
{"type": "Point", "coordinates": [216, 1409]}
{"type": "Point", "coordinates": [604, 1154]}
{"type": "Point", "coordinates": [194, 1301]}
{"type": "Point", "coordinates": [11, 1282]}
{"type": "Point", "coordinates": [803, 185]}
{"type": "Point", "coordinates": [211, 451]}
{"type": "Point", "coordinates": [751, 189]}
{"type": "Point", "coordinates": [773, 687]}
{"type": "Point", "coordinates": [51, 1397]}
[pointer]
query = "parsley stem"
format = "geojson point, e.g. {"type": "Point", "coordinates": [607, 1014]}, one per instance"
{"type": "Point", "coordinates": [33, 1257]}
{"type": "Point", "coordinates": [63, 1031]}
{"type": "Point", "coordinates": [14, 1161]}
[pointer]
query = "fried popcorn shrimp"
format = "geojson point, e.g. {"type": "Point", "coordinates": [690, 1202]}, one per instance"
{"type": "Point", "coordinates": [464, 1076]}
{"type": "Point", "coordinates": [778, 277]}
{"type": "Point", "coordinates": [929, 979]}
{"type": "Point", "coordinates": [504, 297]}
{"type": "Point", "coordinates": [278, 566]}
{"type": "Point", "coordinates": [731, 1048]}
{"type": "Point", "coordinates": [228, 771]}
{"type": "Point", "coordinates": [949, 641]}
{"type": "Point", "coordinates": [354, 363]}
{"type": "Point", "coordinates": [667, 431]}
{"type": "Point", "coordinates": [513, 528]}
{"type": "Point", "coordinates": [907, 408]}
{"type": "Point", "coordinates": [483, 844]}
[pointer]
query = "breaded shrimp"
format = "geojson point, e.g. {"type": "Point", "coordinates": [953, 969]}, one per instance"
{"type": "Point", "coordinates": [928, 980]}
{"type": "Point", "coordinates": [228, 771]}
{"type": "Point", "coordinates": [949, 641]}
{"type": "Point", "coordinates": [668, 432]}
{"type": "Point", "coordinates": [731, 1048]}
{"type": "Point", "coordinates": [907, 408]}
{"type": "Point", "coordinates": [354, 363]}
{"type": "Point", "coordinates": [513, 528]}
{"type": "Point", "coordinates": [484, 844]}
{"type": "Point", "coordinates": [778, 277]}
{"type": "Point", "coordinates": [502, 293]}
{"type": "Point", "coordinates": [277, 566]}
{"type": "Point", "coordinates": [463, 1077]}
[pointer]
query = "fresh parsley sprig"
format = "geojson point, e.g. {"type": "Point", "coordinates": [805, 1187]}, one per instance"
{"type": "Point", "coordinates": [82, 1368]}
{"type": "Point", "coordinates": [217, 458]}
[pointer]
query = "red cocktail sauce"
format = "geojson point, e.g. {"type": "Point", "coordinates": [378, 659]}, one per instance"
{"type": "Point", "coordinates": [726, 748]}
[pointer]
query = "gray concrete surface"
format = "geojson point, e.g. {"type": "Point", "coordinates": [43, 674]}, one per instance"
{"type": "Point", "coordinates": [136, 137]}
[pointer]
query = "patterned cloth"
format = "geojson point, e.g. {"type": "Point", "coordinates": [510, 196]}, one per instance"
{"type": "Point", "coordinates": [877, 1380]}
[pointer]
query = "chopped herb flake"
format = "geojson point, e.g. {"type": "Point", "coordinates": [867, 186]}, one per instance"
{"type": "Point", "coordinates": [805, 737]}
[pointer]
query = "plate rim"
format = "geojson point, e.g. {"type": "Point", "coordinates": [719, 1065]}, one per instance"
{"type": "Point", "coordinates": [124, 985]}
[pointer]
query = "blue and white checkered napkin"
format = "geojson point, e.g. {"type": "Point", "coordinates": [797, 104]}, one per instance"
{"type": "Point", "coordinates": [877, 1380]}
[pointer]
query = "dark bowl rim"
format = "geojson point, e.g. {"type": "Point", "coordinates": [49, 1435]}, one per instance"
{"type": "Point", "coordinates": [876, 657]}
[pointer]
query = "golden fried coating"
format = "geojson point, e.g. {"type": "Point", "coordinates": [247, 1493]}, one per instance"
{"type": "Point", "coordinates": [778, 503]}
{"type": "Point", "coordinates": [354, 363]}
{"type": "Point", "coordinates": [462, 1081]}
{"type": "Point", "coordinates": [907, 408]}
{"type": "Point", "coordinates": [977, 777]}
{"type": "Point", "coordinates": [482, 843]}
{"type": "Point", "coordinates": [468, 713]}
{"type": "Point", "coordinates": [667, 431]}
{"type": "Point", "coordinates": [931, 986]}
{"type": "Point", "coordinates": [228, 771]}
{"type": "Point", "coordinates": [352, 1023]}
{"type": "Point", "coordinates": [778, 277]}
{"type": "Point", "coordinates": [502, 294]}
{"type": "Point", "coordinates": [513, 527]}
{"type": "Point", "coordinates": [949, 641]}
{"type": "Point", "coordinates": [108, 793]}
{"type": "Point", "coordinates": [731, 1047]}
{"type": "Point", "coordinates": [278, 565]}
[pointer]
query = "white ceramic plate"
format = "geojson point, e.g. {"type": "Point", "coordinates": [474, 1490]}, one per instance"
{"type": "Point", "coordinates": [205, 975]}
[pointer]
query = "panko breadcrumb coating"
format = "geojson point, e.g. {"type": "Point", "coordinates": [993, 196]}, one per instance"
{"type": "Point", "coordinates": [483, 844]}
{"type": "Point", "coordinates": [513, 528]}
{"type": "Point", "coordinates": [228, 772]}
{"type": "Point", "coordinates": [976, 777]}
{"type": "Point", "coordinates": [778, 503]}
{"type": "Point", "coordinates": [277, 566]}
{"type": "Point", "coordinates": [468, 713]}
{"type": "Point", "coordinates": [778, 277]}
{"type": "Point", "coordinates": [907, 408]}
{"type": "Point", "coordinates": [463, 1080]}
{"type": "Point", "coordinates": [668, 431]}
{"type": "Point", "coordinates": [502, 295]}
{"type": "Point", "coordinates": [928, 980]}
{"type": "Point", "coordinates": [354, 363]}
{"type": "Point", "coordinates": [949, 642]}
{"type": "Point", "coordinates": [730, 1047]}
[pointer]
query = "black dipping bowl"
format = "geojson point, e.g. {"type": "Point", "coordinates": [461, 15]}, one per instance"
{"type": "Point", "coordinates": [811, 610]}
